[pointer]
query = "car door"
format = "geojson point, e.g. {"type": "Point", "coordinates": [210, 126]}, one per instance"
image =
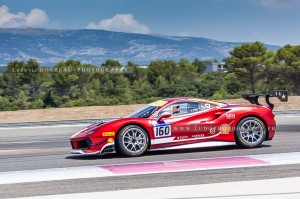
{"type": "Point", "coordinates": [176, 128]}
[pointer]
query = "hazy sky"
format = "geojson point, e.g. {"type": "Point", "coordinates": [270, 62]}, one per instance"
{"type": "Point", "coordinates": [269, 21]}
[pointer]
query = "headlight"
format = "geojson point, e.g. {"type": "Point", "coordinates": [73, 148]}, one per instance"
{"type": "Point", "coordinates": [90, 132]}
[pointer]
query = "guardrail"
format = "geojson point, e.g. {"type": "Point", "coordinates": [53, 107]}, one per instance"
{"type": "Point", "coordinates": [286, 112]}
{"type": "Point", "coordinates": [51, 123]}
{"type": "Point", "coordinates": [90, 121]}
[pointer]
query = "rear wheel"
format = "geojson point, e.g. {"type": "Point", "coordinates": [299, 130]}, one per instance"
{"type": "Point", "coordinates": [132, 140]}
{"type": "Point", "coordinates": [250, 132]}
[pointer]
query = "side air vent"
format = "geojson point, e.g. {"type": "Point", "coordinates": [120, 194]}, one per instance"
{"type": "Point", "coordinates": [218, 114]}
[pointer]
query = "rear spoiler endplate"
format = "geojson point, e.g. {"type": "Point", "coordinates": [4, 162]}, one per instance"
{"type": "Point", "coordinates": [282, 95]}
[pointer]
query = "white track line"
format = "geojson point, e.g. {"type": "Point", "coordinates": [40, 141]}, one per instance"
{"type": "Point", "coordinates": [279, 158]}
{"type": "Point", "coordinates": [52, 174]}
{"type": "Point", "coordinates": [44, 126]}
{"type": "Point", "coordinates": [148, 168]}
{"type": "Point", "coordinates": [258, 189]}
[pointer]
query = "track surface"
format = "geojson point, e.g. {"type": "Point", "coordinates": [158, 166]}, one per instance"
{"type": "Point", "coordinates": [48, 147]}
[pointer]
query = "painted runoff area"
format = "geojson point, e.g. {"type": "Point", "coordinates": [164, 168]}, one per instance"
{"type": "Point", "coordinates": [99, 171]}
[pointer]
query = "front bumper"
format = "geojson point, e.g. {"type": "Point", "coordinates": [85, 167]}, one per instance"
{"type": "Point", "coordinates": [81, 152]}
{"type": "Point", "coordinates": [105, 149]}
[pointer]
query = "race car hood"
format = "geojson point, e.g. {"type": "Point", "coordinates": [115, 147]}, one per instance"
{"type": "Point", "coordinates": [109, 126]}
{"type": "Point", "coordinates": [99, 123]}
{"type": "Point", "coordinates": [91, 128]}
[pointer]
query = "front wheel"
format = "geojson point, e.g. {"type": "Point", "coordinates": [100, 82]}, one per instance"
{"type": "Point", "coordinates": [132, 140]}
{"type": "Point", "coordinates": [250, 132]}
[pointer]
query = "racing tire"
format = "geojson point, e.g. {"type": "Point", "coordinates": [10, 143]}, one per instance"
{"type": "Point", "coordinates": [250, 132]}
{"type": "Point", "coordinates": [132, 141]}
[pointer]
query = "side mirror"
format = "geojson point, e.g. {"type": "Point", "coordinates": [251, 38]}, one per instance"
{"type": "Point", "coordinates": [164, 115]}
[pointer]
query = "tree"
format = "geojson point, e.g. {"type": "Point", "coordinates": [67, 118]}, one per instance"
{"type": "Point", "coordinates": [111, 64]}
{"type": "Point", "coordinates": [209, 83]}
{"type": "Point", "coordinates": [132, 71]}
{"type": "Point", "coordinates": [270, 74]}
{"type": "Point", "coordinates": [167, 69]}
{"type": "Point", "coordinates": [12, 78]}
{"type": "Point", "coordinates": [187, 70]}
{"type": "Point", "coordinates": [288, 58]}
{"type": "Point", "coordinates": [48, 100]}
{"type": "Point", "coordinates": [69, 78]}
{"type": "Point", "coordinates": [26, 77]}
{"type": "Point", "coordinates": [5, 104]}
{"type": "Point", "coordinates": [232, 84]}
{"type": "Point", "coordinates": [142, 90]}
{"type": "Point", "coordinates": [201, 66]}
{"type": "Point", "coordinates": [33, 79]}
{"type": "Point", "coordinates": [246, 61]}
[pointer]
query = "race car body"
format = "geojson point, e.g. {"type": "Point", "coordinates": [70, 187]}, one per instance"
{"type": "Point", "coordinates": [177, 122]}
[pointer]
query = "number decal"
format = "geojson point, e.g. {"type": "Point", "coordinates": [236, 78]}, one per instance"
{"type": "Point", "coordinates": [162, 130]}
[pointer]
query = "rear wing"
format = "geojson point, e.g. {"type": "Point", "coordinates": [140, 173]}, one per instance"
{"type": "Point", "coordinates": [282, 95]}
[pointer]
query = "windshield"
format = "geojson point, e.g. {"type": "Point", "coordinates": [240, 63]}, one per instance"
{"type": "Point", "coordinates": [144, 112]}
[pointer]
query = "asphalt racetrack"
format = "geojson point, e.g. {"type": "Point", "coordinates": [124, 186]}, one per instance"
{"type": "Point", "coordinates": [46, 148]}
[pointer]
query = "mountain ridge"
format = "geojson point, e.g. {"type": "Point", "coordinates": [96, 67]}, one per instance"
{"type": "Point", "coordinates": [49, 46]}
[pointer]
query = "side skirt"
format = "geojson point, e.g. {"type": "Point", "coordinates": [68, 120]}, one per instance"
{"type": "Point", "coordinates": [197, 145]}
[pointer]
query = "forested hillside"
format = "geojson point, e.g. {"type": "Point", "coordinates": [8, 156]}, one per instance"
{"type": "Point", "coordinates": [249, 68]}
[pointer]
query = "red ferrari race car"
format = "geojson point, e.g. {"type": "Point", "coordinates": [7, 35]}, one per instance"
{"type": "Point", "coordinates": [181, 123]}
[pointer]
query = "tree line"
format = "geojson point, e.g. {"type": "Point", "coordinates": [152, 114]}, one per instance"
{"type": "Point", "coordinates": [250, 68]}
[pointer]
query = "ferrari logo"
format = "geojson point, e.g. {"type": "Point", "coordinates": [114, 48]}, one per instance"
{"type": "Point", "coordinates": [212, 131]}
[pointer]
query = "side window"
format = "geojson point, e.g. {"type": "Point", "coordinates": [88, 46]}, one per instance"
{"type": "Point", "coordinates": [193, 107]}
{"type": "Point", "coordinates": [205, 106]}
{"type": "Point", "coordinates": [179, 109]}
{"type": "Point", "coordinates": [175, 109]}
{"type": "Point", "coordinates": [182, 108]}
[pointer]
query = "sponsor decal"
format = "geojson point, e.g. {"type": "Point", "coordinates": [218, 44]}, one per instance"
{"type": "Point", "coordinates": [212, 130]}
{"type": "Point", "coordinates": [184, 137]}
{"type": "Point", "coordinates": [108, 134]}
{"type": "Point", "coordinates": [283, 96]}
{"type": "Point", "coordinates": [162, 130]}
{"type": "Point", "coordinates": [230, 116]}
{"type": "Point", "coordinates": [198, 136]}
{"type": "Point", "coordinates": [110, 140]}
{"type": "Point", "coordinates": [205, 106]}
{"type": "Point", "coordinates": [194, 110]}
{"type": "Point", "coordinates": [225, 128]}
{"type": "Point", "coordinates": [181, 137]}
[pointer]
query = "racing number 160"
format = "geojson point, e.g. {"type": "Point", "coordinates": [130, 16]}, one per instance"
{"type": "Point", "coordinates": [162, 131]}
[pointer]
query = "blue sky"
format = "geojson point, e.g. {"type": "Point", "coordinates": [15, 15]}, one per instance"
{"type": "Point", "coordinates": [269, 21]}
